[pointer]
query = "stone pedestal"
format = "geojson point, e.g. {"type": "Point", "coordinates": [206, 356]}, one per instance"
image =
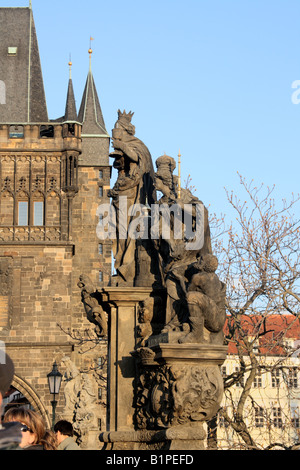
{"type": "Point", "coordinates": [159, 395]}
{"type": "Point", "coordinates": [123, 303]}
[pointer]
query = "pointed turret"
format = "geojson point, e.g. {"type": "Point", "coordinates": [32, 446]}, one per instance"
{"type": "Point", "coordinates": [95, 138]}
{"type": "Point", "coordinates": [70, 112]}
{"type": "Point", "coordinates": [90, 113]}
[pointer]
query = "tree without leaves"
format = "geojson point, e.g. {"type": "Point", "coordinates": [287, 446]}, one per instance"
{"type": "Point", "coordinates": [259, 260]}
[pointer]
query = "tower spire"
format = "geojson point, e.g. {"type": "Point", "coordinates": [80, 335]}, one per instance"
{"type": "Point", "coordinates": [90, 113]}
{"type": "Point", "coordinates": [70, 68]}
{"type": "Point", "coordinates": [70, 112]}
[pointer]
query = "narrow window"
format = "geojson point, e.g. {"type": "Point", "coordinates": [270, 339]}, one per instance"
{"type": "Point", "coordinates": [100, 175]}
{"type": "Point", "coordinates": [257, 383]}
{"type": "Point", "coordinates": [100, 191]}
{"type": "Point", "coordinates": [38, 213]}
{"type": "Point", "coordinates": [277, 417]}
{"type": "Point", "coordinates": [259, 417]}
{"type": "Point", "coordinates": [275, 374]}
{"type": "Point", "coordinates": [46, 131]}
{"type": "Point", "coordinates": [71, 129]}
{"type": "Point", "coordinates": [100, 249]}
{"type": "Point", "coordinates": [23, 213]}
{"type": "Point", "coordinates": [100, 276]}
{"type": "Point", "coordinates": [295, 417]}
{"type": "Point", "coordinates": [2, 92]}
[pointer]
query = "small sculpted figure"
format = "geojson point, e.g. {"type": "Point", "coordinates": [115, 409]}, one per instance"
{"type": "Point", "coordinates": [94, 311]}
{"type": "Point", "coordinates": [174, 254]}
{"type": "Point", "coordinates": [206, 302]}
{"type": "Point", "coordinates": [145, 317]}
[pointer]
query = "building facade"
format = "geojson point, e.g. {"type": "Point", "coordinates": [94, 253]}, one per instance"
{"type": "Point", "coordinates": [272, 406]}
{"type": "Point", "coordinates": [53, 176]}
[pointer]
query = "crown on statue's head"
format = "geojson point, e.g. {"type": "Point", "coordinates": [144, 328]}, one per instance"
{"type": "Point", "coordinates": [124, 115]}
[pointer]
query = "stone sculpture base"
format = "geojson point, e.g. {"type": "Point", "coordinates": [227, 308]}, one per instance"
{"type": "Point", "coordinates": [177, 438]}
{"type": "Point", "coordinates": [159, 395]}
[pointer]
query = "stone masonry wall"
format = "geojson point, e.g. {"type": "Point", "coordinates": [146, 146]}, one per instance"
{"type": "Point", "coordinates": [38, 296]}
{"type": "Point", "coordinates": [42, 319]}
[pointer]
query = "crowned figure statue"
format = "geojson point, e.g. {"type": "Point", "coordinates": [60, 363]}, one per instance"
{"type": "Point", "coordinates": [135, 182]}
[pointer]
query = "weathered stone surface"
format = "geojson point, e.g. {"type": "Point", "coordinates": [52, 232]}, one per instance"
{"type": "Point", "coordinates": [133, 161]}
{"type": "Point", "coordinates": [40, 304]}
{"type": "Point", "coordinates": [165, 332]}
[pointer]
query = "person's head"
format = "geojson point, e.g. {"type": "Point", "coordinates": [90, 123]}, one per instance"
{"type": "Point", "coordinates": [34, 430]}
{"type": "Point", "coordinates": [209, 263]}
{"type": "Point", "coordinates": [7, 371]}
{"type": "Point", "coordinates": [63, 429]}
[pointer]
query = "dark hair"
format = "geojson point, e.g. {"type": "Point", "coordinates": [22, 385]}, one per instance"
{"type": "Point", "coordinates": [64, 427]}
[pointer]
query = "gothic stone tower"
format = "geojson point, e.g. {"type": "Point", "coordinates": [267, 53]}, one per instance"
{"type": "Point", "coordinates": [53, 176]}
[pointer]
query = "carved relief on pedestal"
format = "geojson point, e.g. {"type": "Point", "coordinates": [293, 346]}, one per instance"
{"type": "Point", "coordinates": [177, 395]}
{"type": "Point", "coordinates": [81, 404]}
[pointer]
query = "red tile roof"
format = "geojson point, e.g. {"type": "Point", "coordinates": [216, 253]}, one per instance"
{"type": "Point", "coordinates": [271, 331]}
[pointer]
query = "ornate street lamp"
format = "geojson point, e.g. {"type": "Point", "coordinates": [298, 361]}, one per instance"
{"type": "Point", "coordinates": [54, 382]}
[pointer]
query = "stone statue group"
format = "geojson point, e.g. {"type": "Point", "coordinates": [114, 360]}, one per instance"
{"type": "Point", "coordinates": [188, 300]}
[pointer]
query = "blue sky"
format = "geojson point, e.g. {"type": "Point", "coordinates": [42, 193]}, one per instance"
{"type": "Point", "coordinates": [212, 78]}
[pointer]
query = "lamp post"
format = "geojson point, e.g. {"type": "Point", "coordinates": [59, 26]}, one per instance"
{"type": "Point", "coordinates": [54, 382]}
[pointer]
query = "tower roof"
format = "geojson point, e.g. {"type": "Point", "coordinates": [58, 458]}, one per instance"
{"type": "Point", "coordinates": [90, 113]}
{"type": "Point", "coordinates": [70, 112]}
{"type": "Point", "coordinates": [23, 96]}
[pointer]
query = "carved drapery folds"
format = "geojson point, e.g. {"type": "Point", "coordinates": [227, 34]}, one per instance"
{"type": "Point", "coordinates": [134, 187]}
